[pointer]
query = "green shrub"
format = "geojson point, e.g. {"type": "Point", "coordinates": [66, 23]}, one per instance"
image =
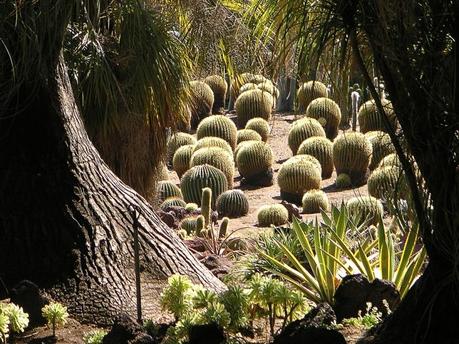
{"type": "Point", "coordinates": [370, 119]}
{"type": "Point", "coordinates": [382, 146]}
{"type": "Point", "coordinates": [219, 87]}
{"type": "Point", "coordinates": [166, 189]}
{"type": "Point", "coordinates": [55, 314]}
{"type": "Point", "coordinates": [211, 141]}
{"type": "Point", "coordinates": [232, 203]}
{"type": "Point", "coordinates": [251, 104]}
{"type": "Point", "coordinates": [216, 157]}
{"type": "Point", "coordinates": [387, 183]}
{"type": "Point", "coordinates": [178, 140]}
{"type": "Point", "coordinates": [94, 337]}
{"type": "Point", "coordinates": [328, 110]}
{"type": "Point", "coordinates": [260, 125]}
{"type": "Point", "coordinates": [218, 126]}
{"type": "Point", "coordinates": [247, 135]}
{"type": "Point", "coordinates": [343, 181]}
{"type": "Point", "coordinates": [309, 91]}
{"type": "Point", "coordinates": [315, 201]}
{"type": "Point", "coordinates": [202, 101]}
{"type": "Point", "coordinates": [181, 159]}
{"type": "Point", "coordinates": [320, 148]}
{"type": "Point", "coordinates": [275, 214]}
{"type": "Point", "coordinates": [303, 129]}
{"type": "Point", "coordinates": [199, 177]}
{"type": "Point", "coordinates": [172, 202]}
{"type": "Point", "coordinates": [236, 302]}
{"type": "Point", "coordinates": [365, 209]}
{"type": "Point", "coordinates": [254, 159]}
{"type": "Point", "coordinates": [351, 155]}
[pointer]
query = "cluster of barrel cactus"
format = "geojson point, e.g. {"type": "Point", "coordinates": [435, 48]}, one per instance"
{"type": "Point", "coordinates": [320, 148]}
{"type": "Point", "coordinates": [260, 125]}
{"type": "Point", "coordinates": [216, 157]}
{"type": "Point", "coordinates": [176, 141]}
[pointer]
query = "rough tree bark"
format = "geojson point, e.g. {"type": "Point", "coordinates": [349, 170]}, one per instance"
{"type": "Point", "coordinates": [64, 219]}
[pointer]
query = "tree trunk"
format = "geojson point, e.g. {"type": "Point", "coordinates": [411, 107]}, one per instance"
{"type": "Point", "coordinates": [287, 90]}
{"type": "Point", "coordinates": [64, 219]}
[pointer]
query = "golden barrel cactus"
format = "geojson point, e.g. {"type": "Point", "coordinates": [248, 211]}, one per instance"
{"type": "Point", "coordinates": [303, 129]}
{"type": "Point", "coordinates": [327, 110]}
{"type": "Point", "coordinates": [219, 87]}
{"type": "Point", "coordinates": [251, 104]}
{"type": "Point", "coordinates": [217, 157]}
{"type": "Point", "coordinates": [218, 126]}
{"type": "Point", "coordinates": [320, 148]}
{"type": "Point", "coordinates": [309, 91]}
{"type": "Point", "coordinates": [370, 119]}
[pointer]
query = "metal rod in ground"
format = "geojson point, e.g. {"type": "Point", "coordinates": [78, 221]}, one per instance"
{"type": "Point", "coordinates": [135, 222]}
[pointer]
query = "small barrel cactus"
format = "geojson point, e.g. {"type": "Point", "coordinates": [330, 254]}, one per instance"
{"type": "Point", "coordinates": [173, 202]}
{"type": "Point", "coordinates": [390, 160]}
{"type": "Point", "coordinates": [328, 110]}
{"type": "Point", "coordinates": [387, 183]}
{"type": "Point", "coordinates": [314, 201]}
{"type": "Point", "coordinates": [219, 86]}
{"type": "Point", "coordinates": [370, 119]}
{"type": "Point", "coordinates": [365, 209]}
{"type": "Point", "coordinates": [218, 126]}
{"type": "Point", "coordinates": [382, 146]}
{"type": "Point", "coordinates": [303, 129]}
{"type": "Point", "coordinates": [192, 225]}
{"type": "Point", "coordinates": [266, 86]}
{"type": "Point", "coordinates": [275, 214]}
{"type": "Point", "coordinates": [251, 104]}
{"type": "Point", "coordinates": [212, 141]}
{"type": "Point", "coordinates": [308, 92]}
{"type": "Point", "coordinates": [232, 203]}
{"type": "Point", "coordinates": [320, 148]}
{"type": "Point", "coordinates": [202, 101]}
{"type": "Point", "coordinates": [247, 87]}
{"type": "Point", "coordinates": [166, 189]}
{"type": "Point", "coordinates": [343, 181]}
{"type": "Point", "coordinates": [181, 159]}
{"type": "Point", "coordinates": [199, 177]}
{"type": "Point", "coordinates": [351, 155]}
{"type": "Point", "coordinates": [190, 207]}
{"type": "Point", "coordinates": [296, 176]}
{"type": "Point", "coordinates": [216, 157]}
{"type": "Point", "coordinates": [178, 140]}
{"type": "Point", "coordinates": [247, 135]}
{"type": "Point", "coordinates": [254, 160]}
{"type": "Point", "coordinates": [260, 125]}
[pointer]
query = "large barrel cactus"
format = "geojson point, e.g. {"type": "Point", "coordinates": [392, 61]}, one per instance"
{"type": "Point", "coordinates": [181, 159]}
{"type": "Point", "coordinates": [239, 147]}
{"type": "Point", "coordinates": [326, 111]}
{"type": "Point", "coordinates": [232, 203]}
{"type": "Point", "coordinates": [308, 92]}
{"type": "Point", "coordinates": [365, 209]}
{"type": "Point", "coordinates": [251, 104]}
{"type": "Point", "coordinates": [298, 175]}
{"type": "Point", "coordinates": [219, 86]}
{"type": "Point", "coordinates": [218, 126]}
{"type": "Point", "coordinates": [247, 87]}
{"type": "Point", "coordinates": [254, 161]}
{"type": "Point", "coordinates": [199, 177]}
{"type": "Point", "coordinates": [202, 101]}
{"type": "Point", "coordinates": [166, 189]}
{"type": "Point", "coordinates": [216, 157]}
{"type": "Point", "coordinates": [382, 146]}
{"type": "Point", "coordinates": [320, 148]}
{"type": "Point", "coordinates": [172, 202]}
{"type": "Point", "coordinates": [315, 201]}
{"type": "Point", "coordinates": [211, 141]}
{"type": "Point", "coordinates": [370, 119]}
{"type": "Point", "coordinates": [176, 141]}
{"type": "Point", "coordinates": [247, 135]}
{"type": "Point", "coordinates": [387, 183]}
{"type": "Point", "coordinates": [303, 129]}
{"type": "Point", "coordinates": [351, 155]}
{"type": "Point", "coordinates": [260, 125]}
{"type": "Point", "coordinates": [266, 86]}
{"type": "Point", "coordinates": [275, 214]}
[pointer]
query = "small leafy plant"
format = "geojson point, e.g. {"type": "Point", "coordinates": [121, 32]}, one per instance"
{"type": "Point", "coordinates": [4, 327]}
{"type": "Point", "coordinates": [371, 318]}
{"type": "Point", "coordinates": [177, 297]}
{"type": "Point", "coordinates": [94, 337]}
{"type": "Point", "coordinates": [56, 315]}
{"type": "Point", "coordinates": [13, 319]}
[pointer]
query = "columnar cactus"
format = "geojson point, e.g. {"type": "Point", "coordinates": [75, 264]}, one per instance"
{"type": "Point", "coordinates": [166, 189]}
{"type": "Point", "coordinates": [247, 135]}
{"type": "Point", "coordinates": [308, 92]}
{"type": "Point", "coordinates": [314, 201]}
{"type": "Point", "coordinates": [328, 110]}
{"type": "Point", "coordinates": [351, 155]}
{"type": "Point", "coordinates": [218, 126]}
{"type": "Point", "coordinates": [365, 209]}
{"type": "Point", "coordinates": [173, 202]}
{"type": "Point", "coordinates": [296, 176]}
{"type": "Point", "coordinates": [219, 86]}
{"type": "Point", "coordinates": [223, 228]}
{"type": "Point", "coordinates": [254, 160]}
{"type": "Point", "coordinates": [382, 146]}
{"type": "Point", "coordinates": [320, 148]}
{"type": "Point", "coordinates": [181, 159]}
{"type": "Point", "coordinates": [387, 183]}
{"type": "Point", "coordinates": [212, 141]}
{"type": "Point", "coordinates": [370, 119]}
{"type": "Point", "coordinates": [206, 209]}
{"type": "Point", "coordinates": [275, 214]}
{"type": "Point", "coordinates": [202, 101]}
{"type": "Point", "coordinates": [178, 140]}
{"type": "Point", "coordinates": [199, 177]}
{"type": "Point", "coordinates": [251, 104]}
{"type": "Point", "coordinates": [216, 157]}
{"type": "Point", "coordinates": [303, 129]}
{"type": "Point", "coordinates": [232, 203]}
{"type": "Point", "coordinates": [260, 125]}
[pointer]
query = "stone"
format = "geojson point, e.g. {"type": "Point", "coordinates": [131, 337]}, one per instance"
{"type": "Point", "coordinates": [124, 330]}
{"type": "Point", "coordinates": [206, 334]}
{"type": "Point", "coordinates": [27, 295]}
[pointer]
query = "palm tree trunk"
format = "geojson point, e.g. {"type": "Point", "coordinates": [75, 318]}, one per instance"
{"type": "Point", "coordinates": [64, 219]}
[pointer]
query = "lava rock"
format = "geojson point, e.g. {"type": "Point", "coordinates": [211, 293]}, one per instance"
{"type": "Point", "coordinates": [27, 295]}
{"type": "Point", "coordinates": [143, 338]}
{"type": "Point", "coordinates": [218, 265]}
{"type": "Point", "coordinates": [312, 328]}
{"type": "Point", "coordinates": [293, 210]}
{"type": "Point", "coordinates": [206, 334]}
{"type": "Point", "coordinates": [265, 178]}
{"type": "Point", "coordinates": [355, 291]}
{"type": "Point", "coordinates": [169, 219]}
{"type": "Point", "coordinates": [124, 330]}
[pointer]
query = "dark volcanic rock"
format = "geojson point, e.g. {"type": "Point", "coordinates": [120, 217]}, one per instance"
{"type": "Point", "coordinates": [206, 334]}
{"type": "Point", "coordinates": [27, 295]}
{"type": "Point", "coordinates": [124, 330]}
